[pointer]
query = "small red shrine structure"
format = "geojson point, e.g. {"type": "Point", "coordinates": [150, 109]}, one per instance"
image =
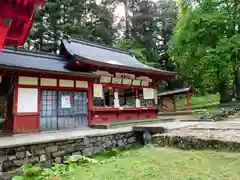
{"type": "Point", "coordinates": [16, 18]}
{"type": "Point", "coordinates": [86, 84]}
{"type": "Point", "coordinates": [167, 100]}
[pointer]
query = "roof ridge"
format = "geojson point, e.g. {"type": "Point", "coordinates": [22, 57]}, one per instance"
{"type": "Point", "coordinates": [25, 52]}
{"type": "Point", "coordinates": [98, 45]}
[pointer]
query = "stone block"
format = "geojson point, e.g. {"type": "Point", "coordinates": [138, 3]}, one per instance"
{"type": "Point", "coordinates": [107, 145]}
{"type": "Point", "coordinates": [131, 140]}
{"type": "Point", "coordinates": [86, 140]}
{"type": "Point", "coordinates": [52, 149]}
{"type": "Point", "coordinates": [21, 148]}
{"type": "Point", "coordinates": [40, 151]}
{"type": "Point", "coordinates": [104, 138]}
{"type": "Point", "coordinates": [20, 155]}
{"type": "Point", "coordinates": [2, 153]}
{"type": "Point", "coordinates": [3, 158]}
{"type": "Point", "coordinates": [99, 139]}
{"type": "Point", "coordinates": [59, 153]}
{"type": "Point", "coordinates": [119, 136]}
{"type": "Point", "coordinates": [11, 158]}
{"type": "Point", "coordinates": [34, 160]}
{"type": "Point", "coordinates": [88, 151]}
{"type": "Point", "coordinates": [93, 139]}
{"type": "Point", "coordinates": [79, 147]}
{"type": "Point", "coordinates": [21, 162]}
{"type": "Point", "coordinates": [28, 154]}
{"type": "Point", "coordinates": [77, 153]}
{"type": "Point", "coordinates": [98, 149]}
{"type": "Point", "coordinates": [120, 143]}
{"type": "Point", "coordinates": [129, 134]}
{"type": "Point", "coordinates": [9, 165]}
{"type": "Point", "coordinates": [58, 160]}
{"type": "Point", "coordinates": [79, 141]}
{"type": "Point", "coordinates": [47, 164]}
{"type": "Point", "coordinates": [43, 158]}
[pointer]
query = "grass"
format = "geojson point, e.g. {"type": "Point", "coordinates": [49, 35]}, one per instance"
{"type": "Point", "coordinates": [164, 164]}
{"type": "Point", "coordinates": [198, 101]}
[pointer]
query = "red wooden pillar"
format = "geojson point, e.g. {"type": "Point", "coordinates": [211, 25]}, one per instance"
{"type": "Point", "coordinates": [188, 102]}
{"type": "Point", "coordinates": [90, 103]}
{"type": "Point", "coordinates": [137, 95]}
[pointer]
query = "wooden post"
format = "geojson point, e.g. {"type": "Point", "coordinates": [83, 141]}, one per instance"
{"type": "Point", "coordinates": [174, 103]}
{"type": "Point", "coordinates": [188, 102]}
{"type": "Point", "coordinates": [137, 96]}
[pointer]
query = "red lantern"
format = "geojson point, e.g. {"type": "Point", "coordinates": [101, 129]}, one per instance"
{"type": "Point", "coordinates": [16, 18]}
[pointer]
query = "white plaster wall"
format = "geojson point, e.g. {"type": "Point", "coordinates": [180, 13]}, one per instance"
{"type": "Point", "coordinates": [27, 100]}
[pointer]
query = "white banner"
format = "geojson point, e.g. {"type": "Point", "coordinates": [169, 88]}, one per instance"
{"type": "Point", "coordinates": [66, 101]}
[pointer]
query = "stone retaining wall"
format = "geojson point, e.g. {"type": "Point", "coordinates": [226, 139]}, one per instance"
{"type": "Point", "coordinates": [191, 142]}
{"type": "Point", "coordinates": [48, 153]}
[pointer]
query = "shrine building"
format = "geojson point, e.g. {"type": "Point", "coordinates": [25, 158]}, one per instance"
{"type": "Point", "coordinates": [86, 84]}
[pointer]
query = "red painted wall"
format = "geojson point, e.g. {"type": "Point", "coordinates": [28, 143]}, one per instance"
{"type": "Point", "coordinates": [26, 123]}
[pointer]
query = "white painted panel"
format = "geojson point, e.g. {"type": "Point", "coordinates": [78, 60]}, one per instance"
{"type": "Point", "coordinates": [48, 82]}
{"type": "Point", "coordinates": [145, 83]}
{"type": "Point", "coordinates": [98, 90]}
{"type": "Point", "coordinates": [81, 84]}
{"type": "Point", "coordinates": [148, 93]}
{"type": "Point", "coordinates": [66, 83]}
{"type": "Point", "coordinates": [28, 80]}
{"type": "Point", "coordinates": [27, 100]}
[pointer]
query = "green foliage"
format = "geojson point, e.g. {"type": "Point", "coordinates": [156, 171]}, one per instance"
{"type": "Point", "coordinates": [205, 44]}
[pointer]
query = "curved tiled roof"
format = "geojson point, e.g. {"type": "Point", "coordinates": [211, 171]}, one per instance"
{"type": "Point", "coordinates": [105, 54]}
{"type": "Point", "coordinates": [34, 60]}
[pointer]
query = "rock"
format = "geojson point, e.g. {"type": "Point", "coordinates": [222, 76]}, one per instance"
{"type": "Point", "coordinates": [28, 154]}
{"type": "Point", "coordinates": [21, 148]}
{"type": "Point", "coordinates": [52, 149]}
{"type": "Point", "coordinates": [80, 141]}
{"type": "Point", "coordinates": [47, 164]}
{"type": "Point", "coordinates": [97, 150]}
{"type": "Point", "coordinates": [11, 158]}
{"type": "Point", "coordinates": [107, 144]}
{"type": "Point", "coordinates": [86, 141]}
{"type": "Point", "coordinates": [21, 162]}
{"type": "Point", "coordinates": [34, 160]}
{"type": "Point", "coordinates": [104, 138]}
{"type": "Point", "coordinates": [119, 136]}
{"type": "Point", "coordinates": [43, 158]}
{"type": "Point", "coordinates": [58, 160]}
{"type": "Point", "coordinates": [59, 153]}
{"type": "Point", "coordinates": [8, 166]}
{"type": "Point", "coordinates": [131, 140]}
{"type": "Point", "coordinates": [20, 155]}
{"type": "Point", "coordinates": [88, 151]}
{"type": "Point", "coordinates": [120, 143]}
{"type": "Point", "coordinates": [147, 137]}
{"type": "Point", "coordinates": [3, 158]}
{"type": "Point", "coordinates": [40, 151]}
{"type": "Point", "coordinates": [77, 153]}
{"type": "Point", "coordinates": [2, 153]}
{"type": "Point", "coordinates": [93, 139]}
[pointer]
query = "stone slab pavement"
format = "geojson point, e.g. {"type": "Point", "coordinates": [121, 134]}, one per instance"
{"type": "Point", "coordinates": [226, 129]}
{"type": "Point", "coordinates": [45, 137]}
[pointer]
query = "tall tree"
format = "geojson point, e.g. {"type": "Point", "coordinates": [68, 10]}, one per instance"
{"type": "Point", "coordinates": [206, 46]}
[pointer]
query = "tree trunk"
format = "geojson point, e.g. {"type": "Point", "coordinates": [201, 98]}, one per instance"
{"type": "Point", "coordinates": [225, 93]}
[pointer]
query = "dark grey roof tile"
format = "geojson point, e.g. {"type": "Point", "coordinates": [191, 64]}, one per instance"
{"type": "Point", "coordinates": [105, 54]}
